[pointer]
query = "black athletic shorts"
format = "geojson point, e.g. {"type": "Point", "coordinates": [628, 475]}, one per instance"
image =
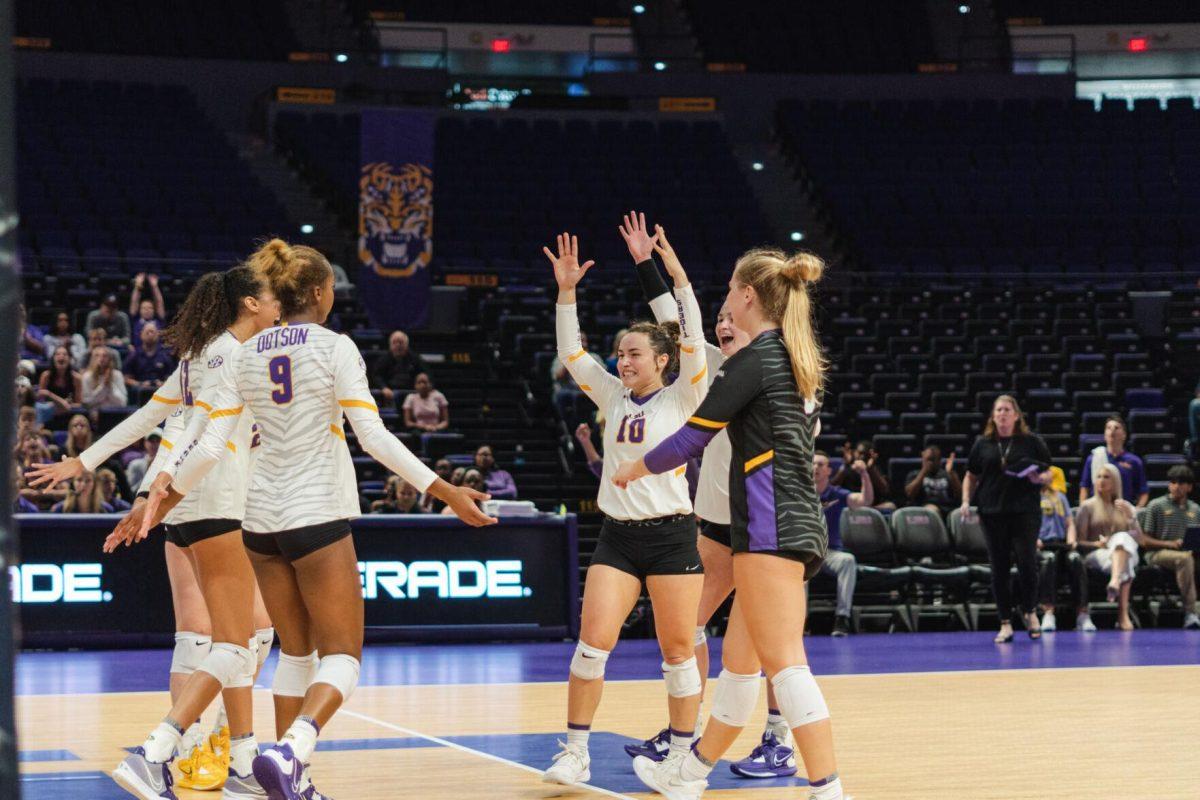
{"type": "Point", "coordinates": [662, 546]}
{"type": "Point", "coordinates": [186, 534]}
{"type": "Point", "coordinates": [717, 532]}
{"type": "Point", "coordinates": [298, 542]}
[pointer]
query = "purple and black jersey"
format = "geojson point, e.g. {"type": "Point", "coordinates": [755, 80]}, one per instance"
{"type": "Point", "coordinates": [773, 500]}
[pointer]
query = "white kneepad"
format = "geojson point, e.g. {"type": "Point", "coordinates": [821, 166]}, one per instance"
{"type": "Point", "coordinates": [735, 698]}
{"type": "Point", "coordinates": [341, 672]}
{"type": "Point", "coordinates": [800, 699]}
{"type": "Point", "coordinates": [701, 636]}
{"type": "Point", "coordinates": [294, 674]}
{"type": "Point", "coordinates": [588, 662]}
{"type": "Point", "coordinates": [233, 666]}
{"type": "Point", "coordinates": [190, 651]}
{"type": "Point", "coordinates": [682, 679]}
{"type": "Point", "coordinates": [264, 638]}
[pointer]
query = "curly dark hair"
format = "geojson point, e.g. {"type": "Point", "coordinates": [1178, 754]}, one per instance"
{"type": "Point", "coordinates": [211, 306]}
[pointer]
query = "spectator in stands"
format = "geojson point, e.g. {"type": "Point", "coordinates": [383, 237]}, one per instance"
{"type": "Point", "coordinates": [83, 497]}
{"type": "Point", "coordinates": [472, 478]}
{"type": "Point", "coordinates": [397, 369]}
{"type": "Point", "coordinates": [425, 410]}
{"type": "Point", "coordinates": [114, 321]}
{"type": "Point", "coordinates": [849, 478]}
{"type": "Point", "coordinates": [842, 565]}
{"type": "Point", "coordinates": [611, 361]}
{"type": "Point", "coordinates": [61, 335]}
{"type": "Point", "coordinates": [60, 388]}
{"type": "Point", "coordinates": [147, 366]}
{"type": "Point", "coordinates": [342, 287]}
{"type": "Point", "coordinates": [30, 451]}
{"type": "Point", "coordinates": [21, 503]}
{"type": "Point", "coordinates": [1133, 471]}
{"type": "Point", "coordinates": [565, 390]}
{"type": "Point", "coordinates": [500, 484]}
{"type": "Point", "coordinates": [1194, 422]}
{"type": "Point", "coordinates": [80, 437]}
{"type": "Point", "coordinates": [146, 310]}
{"type": "Point", "coordinates": [1006, 469]}
{"type": "Point", "coordinates": [136, 470]}
{"type": "Point", "coordinates": [1108, 535]}
{"type": "Point", "coordinates": [399, 497]}
{"type": "Point", "coordinates": [27, 422]}
{"type": "Point", "coordinates": [108, 487]}
{"type": "Point", "coordinates": [32, 337]}
{"type": "Point", "coordinates": [934, 486]}
{"type": "Point", "coordinates": [430, 504]}
{"type": "Point", "coordinates": [595, 461]}
{"type": "Point", "coordinates": [1056, 551]}
{"type": "Point", "coordinates": [98, 340]}
{"type": "Point", "coordinates": [103, 384]}
{"type": "Point", "coordinates": [1166, 521]}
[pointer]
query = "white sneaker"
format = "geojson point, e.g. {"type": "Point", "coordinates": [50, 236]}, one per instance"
{"type": "Point", "coordinates": [1084, 624]}
{"type": "Point", "coordinates": [664, 778]}
{"type": "Point", "coordinates": [570, 767]}
{"type": "Point", "coordinates": [1049, 624]}
{"type": "Point", "coordinates": [1191, 622]}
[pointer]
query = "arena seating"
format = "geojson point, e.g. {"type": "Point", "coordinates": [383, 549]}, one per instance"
{"type": "Point", "coordinates": [856, 36]}
{"type": "Point", "coordinates": [1096, 12]}
{"type": "Point", "coordinates": [512, 12]}
{"type": "Point", "coordinates": [193, 29]}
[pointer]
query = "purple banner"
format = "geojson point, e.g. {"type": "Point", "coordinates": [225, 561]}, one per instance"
{"type": "Point", "coordinates": [395, 216]}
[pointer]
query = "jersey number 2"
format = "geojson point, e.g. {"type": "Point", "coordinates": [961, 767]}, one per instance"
{"type": "Point", "coordinates": [636, 430]}
{"type": "Point", "coordinates": [280, 370]}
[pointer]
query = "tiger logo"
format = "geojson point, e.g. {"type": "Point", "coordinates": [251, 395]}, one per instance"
{"type": "Point", "coordinates": [395, 220]}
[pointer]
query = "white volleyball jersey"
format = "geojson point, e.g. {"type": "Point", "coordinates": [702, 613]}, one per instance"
{"type": "Point", "coordinates": [222, 494]}
{"type": "Point", "coordinates": [297, 381]}
{"type": "Point", "coordinates": [712, 491]}
{"type": "Point", "coordinates": [634, 426]}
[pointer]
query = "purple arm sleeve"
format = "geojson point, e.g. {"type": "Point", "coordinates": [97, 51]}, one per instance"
{"type": "Point", "coordinates": [597, 467]}
{"type": "Point", "coordinates": [676, 449]}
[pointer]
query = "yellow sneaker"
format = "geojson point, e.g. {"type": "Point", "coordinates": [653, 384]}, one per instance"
{"type": "Point", "coordinates": [209, 769]}
{"type": "Point", "coordinates": [187, 766]}
{"type": "Point", "coordinates": [218, 744]}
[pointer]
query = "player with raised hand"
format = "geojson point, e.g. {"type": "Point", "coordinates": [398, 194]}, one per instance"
{"type": "Point", "coordinates": [648, 534]}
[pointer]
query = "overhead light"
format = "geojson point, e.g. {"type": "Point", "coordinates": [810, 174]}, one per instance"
{"type": "Point", "coordinates": [660, 65]}
{"type": "Point", "coordinates": [797, 236]}
{"type": "Point", "coordinates": [964, 9]}
{"type": "Point", "coordinates": [341, 58]}
{"type": "Point", "coordinates": [639, 9]}
{"type": "Point", "coordinates": [306, 228]}
{"type": "Point", "coordinates": [757, 166]}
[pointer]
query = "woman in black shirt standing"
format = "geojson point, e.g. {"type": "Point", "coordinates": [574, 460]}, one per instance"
{"type": "Point", "coordinates": [1006, 469]}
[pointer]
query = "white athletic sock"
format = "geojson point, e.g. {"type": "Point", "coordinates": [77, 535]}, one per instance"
{"type": "Point", "coordinates": [693, 769]}
{"type": "Point", "coordinates": [242, 751]}
{"type": "Point", "coordinates": [191, 739]}
{"type": "Point", "coordinates": [162, 742]}
{"type": "Point", "coordinates": [681, 741]}
{"type": "Point", "coordinates": [302, 736]}
{"type": "Point", "coordinates": [776, 724]}
{"type": "Point", "coordinates": [829, 789]}
{"type": "Point", "coordinates": [222, 720]}
{"type": "Point", "coordinates": [578, 735]}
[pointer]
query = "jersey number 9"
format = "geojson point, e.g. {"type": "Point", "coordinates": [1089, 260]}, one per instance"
{"type": "Point", "coordinates": [280, 370]}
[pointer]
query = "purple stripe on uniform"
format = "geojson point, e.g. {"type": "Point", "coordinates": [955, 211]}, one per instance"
{"type": "Point", "coordinates": [571, 726]}
{"type": "Point", "coordinates": [676, 449]}
{"type": "Point", "coordinates": [644, 398]}
{"type": "Point", "coordinates": [682, 734]}
{"type": "Point", "coordinates": [760, 505]}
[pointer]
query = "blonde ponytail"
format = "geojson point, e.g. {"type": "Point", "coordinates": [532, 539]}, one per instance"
{"type": "Point", "coordinates": [293, 272]}
{"type": "Point", "coordinates": [781, 284]}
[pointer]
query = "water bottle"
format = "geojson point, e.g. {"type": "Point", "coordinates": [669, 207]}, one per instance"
{"type": "Point", "coordinates": [519, 457]}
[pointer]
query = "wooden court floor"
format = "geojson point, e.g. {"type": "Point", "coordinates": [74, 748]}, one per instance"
{"type": "Point", "coordinates": [1031, 734]}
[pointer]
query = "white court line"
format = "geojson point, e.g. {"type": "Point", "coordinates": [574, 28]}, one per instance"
{"type": "Point", "coordinates": [472, 751]}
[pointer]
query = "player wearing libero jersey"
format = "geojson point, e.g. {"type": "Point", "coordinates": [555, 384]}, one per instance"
{"type": "Point", "coordinates": [647, 534]}
{"type": "Point", "coordinates": [766, 395]}
{"type": "Point", "coordinates": [300, 380]}
{"type": "Point", "coordinates": [223, 308]}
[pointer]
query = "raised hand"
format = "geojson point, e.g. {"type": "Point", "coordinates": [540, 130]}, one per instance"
{"type": "Point", "coordinates": [583, 433]}
{"type": "Point", "coordinates": [567, 269]}
{"type": "Point", "coordinates": [637, 237]}
{"type": "Point", "coordinates": [670, 260]}
{"type": "Point", "coordinates": [950, 461]}
{"type": "Point", "coordinates": [51, 474]}
{"type": "Point", "coordinates": [462, 503]}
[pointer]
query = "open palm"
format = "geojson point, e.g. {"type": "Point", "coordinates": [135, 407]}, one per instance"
{"type": "Point", "coordinates": [567, 269]}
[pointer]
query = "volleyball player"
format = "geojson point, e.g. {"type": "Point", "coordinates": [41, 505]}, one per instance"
{"type": "Point", "coordinates": [223, 309]}
{"type": "Point", "coordinates": [648, 534]}
{"type": "Point", "coordinates": [767, 395]}
{"type": "Point", "coordinates": [772, 757]}
{"type": "Point", "coordinates": [299, 379]}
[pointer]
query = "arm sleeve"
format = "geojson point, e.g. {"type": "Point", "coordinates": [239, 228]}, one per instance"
{"type": "Point", "coordinates": [136, 425]}
{"type": "Point", "coordinates": [691, 385]}
{"type": "Point", "coordinates": [354, 397]}
{"type": "Point", "coordinates": [594, 380]}
{"type": "Point", "coordinates": [172, 433]}
{"type": "Point", "coordinates": [737, 383]}
{"type": "Point", "coordinates": [656, 291]}
{"type": "Point", "coordinates": [206, 436]}
{"type": "Point", "coordinates": [1085, 475]}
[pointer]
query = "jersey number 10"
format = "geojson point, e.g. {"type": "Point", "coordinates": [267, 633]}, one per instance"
{"type": "Point", "coordinates": [280, 370]}
{"type": "Point", "coordinates": [636, 430]}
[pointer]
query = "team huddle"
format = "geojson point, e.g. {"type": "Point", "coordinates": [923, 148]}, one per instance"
{"type": "Point", "coordinates": [255, 488]}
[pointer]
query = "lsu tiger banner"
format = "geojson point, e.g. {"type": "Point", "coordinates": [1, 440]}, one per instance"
{"type": "Point", "coordinates": [395, 216]}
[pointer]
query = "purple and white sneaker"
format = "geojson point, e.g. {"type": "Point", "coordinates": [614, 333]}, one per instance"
{"type": "Point", "coordinates": [310, 792]}
{"type": "Point", "coordinates": [770, 759]}
{"type": "Point", "coordinates": [149, 780]}
{"type": "Point", "coordinates": [280, 773]}
{"type": "Point", "coordinates": [654, 749]}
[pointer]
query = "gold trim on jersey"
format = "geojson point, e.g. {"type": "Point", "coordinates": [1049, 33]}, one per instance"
{"type": "Point", "coordinates": [576, 357]}
{"type": "Point", "coordinates": [359, 404]}
{"type": "Point", "coordinates": [707, 423]}
{"type": "Point", "coordinates": [231, 446]}
{"type": "Point", "coordinates": [761, 458]}
{"type": "Point", "coordinates": [680, 470]}
{"type": "Point", "coordinates": [686, 349]}
{"type": "Point", "coordinates": [203, 405]}
{"type": "Point", "coordinates": [166, 400]}
{"type": "Point", "coordinates": [338, 432]}
{"type": "Point", "coordinates": [699, 376]}
{"type": "Point", "coordinates": [167, 444]}
{"type": "Point", "coordinates": [225, 412]}
{"type": "Point", "coordinates": [584, 387]}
